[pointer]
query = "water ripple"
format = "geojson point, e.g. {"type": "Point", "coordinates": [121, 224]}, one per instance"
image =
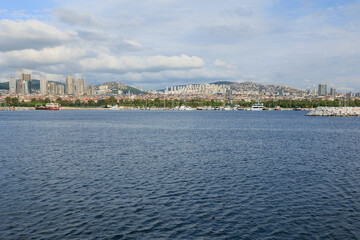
{"type": "Point", "coordinates": [172, 175]}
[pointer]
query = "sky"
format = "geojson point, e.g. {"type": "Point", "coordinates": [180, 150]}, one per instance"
{"type": "Point", "coordinates": [151, 44]}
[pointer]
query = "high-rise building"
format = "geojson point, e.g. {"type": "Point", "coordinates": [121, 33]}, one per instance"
{"type": "Point", "coordinates": [12, 85]}
{"type": "Point", "coordinates": [322, 89]}
{"type": "Point", "coordinates": [60, 90]}
{"type": "Point", "coordinates": [52, 88]}
{"type": "Point", "coordinates": [26, 77]}
{"type": "Point", "coordinates": [20, 86]}
{"type": "Point", "coordinates": [70, 85]}
{"type": "Point", "coordinates": [90, 90]}
{"type": "Point", "coordinates": [43, 86]}
{"type": "Point", "coordinates": [80, 87]}
{"type": "Point", "coordinates": [23, 85]}
{"type": "Point", "coordinates": [333, 92]}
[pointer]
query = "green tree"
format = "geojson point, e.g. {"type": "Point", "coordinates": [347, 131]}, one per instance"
{"type": "Point", "coordinates": [91, 103]}
{"type": "Point", "coordinates": [77, 102]}
{"type": "Point", "coordinates": [15, 101]}
{"type": "Point", "coordinates": [8, 100]}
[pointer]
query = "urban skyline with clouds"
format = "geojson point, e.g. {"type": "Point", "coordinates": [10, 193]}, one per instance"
{"type": "Point", "coordinates": [157, 43]}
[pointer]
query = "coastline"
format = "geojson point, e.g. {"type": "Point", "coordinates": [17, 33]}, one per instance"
{"type": "Point", "coordinates": [132, 108]}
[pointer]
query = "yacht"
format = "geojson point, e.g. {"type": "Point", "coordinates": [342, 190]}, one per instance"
{"type": "Point", "coordinates": [257, 107]}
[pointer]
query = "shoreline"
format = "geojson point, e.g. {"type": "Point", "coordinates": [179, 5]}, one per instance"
{"type": "Point", "coordinates": [135, 109]}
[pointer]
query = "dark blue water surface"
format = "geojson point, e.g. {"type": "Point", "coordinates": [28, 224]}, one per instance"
{"type": "Point", "coordinates": [178, 175]}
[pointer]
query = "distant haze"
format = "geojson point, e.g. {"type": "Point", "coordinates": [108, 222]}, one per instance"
{"type": "Point", "coordinates": [152, 44]}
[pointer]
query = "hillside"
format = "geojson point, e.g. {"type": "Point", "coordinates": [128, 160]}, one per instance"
{"type": "Point", "coordinates": [262, 88]}
{"type": "Point", "coordinates": [4, 85]}
{"type": "Point", "coordinates": [257, 87]}
{"type": "Point", "coordinates": [116, 86]}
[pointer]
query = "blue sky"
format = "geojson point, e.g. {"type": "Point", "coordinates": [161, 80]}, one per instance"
{"type": "Point", "coordinates": [158, 43]}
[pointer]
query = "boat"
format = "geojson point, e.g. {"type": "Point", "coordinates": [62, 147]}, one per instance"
{"type": "Point", "coordinates": [257, 107]}
{"type": "Point", "coordinates": [116, 107]}
{"type": "Point", "coordinates": [48, 106]}
{"type": "Point", "coordinates": [277, 108]}
{"type": "Point", "coordinates": [297, 108]}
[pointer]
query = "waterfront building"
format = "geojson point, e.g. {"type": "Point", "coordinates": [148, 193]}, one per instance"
{"type": "Point", "coordinates": [80, 87]}
{"type": "Point", "coordinates": [322, 89]}
{"type": "Point", "coordinates": [12, 85]}
{"type": "Point", "coordinates": [314, 90]}
{"type": "Point", "coordinates": [70, 85]}
{"type": "Point", "coordinates": [23, 87]}
{"type": "Point", "coordinates": [90, 90]}
{"type": "Point", "coordinates": [20, 87]}
{"type": "Point", "coordinates": [43, 86]}
{"type": "Point", "coordinates": [333, 92]}
{"type": "Point", "coordinates": [24, 84]}
{"type": "Point", "coordinates": [52, 88]}
{"type": "Point", "coordinates": [60, 90]}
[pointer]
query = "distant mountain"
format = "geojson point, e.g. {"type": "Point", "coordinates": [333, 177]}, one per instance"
{"type": "Point", "coordinates": [4, 85]}
{"type": "Point", "coordinates": [223, 82]}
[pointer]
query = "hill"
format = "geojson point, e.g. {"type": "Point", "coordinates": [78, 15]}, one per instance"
{"type": "Point", "coordinates": [4, 85]}
{"type": "Point", "coordinates": [116, 86]}
{"type": "Point", "coordinates": [262, 88]}
{"type": "Point", "coordinates": [223, 83]}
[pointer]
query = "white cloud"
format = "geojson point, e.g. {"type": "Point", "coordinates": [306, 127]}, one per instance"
{"type": "Point", "coordinates": [105, 62]}
{"type": "Point", "coordinates": [222, 64]}
{"type": "Point", "coordinates": [133, 44]}
{"type": "Point", "coordinates": [46, 56]}
{"type": "Point", "coordinates": [30, 34]}
{"type": "Point", "coordinates": [74, 17]}
{"type": "Point", "coordinates": [142, 41]}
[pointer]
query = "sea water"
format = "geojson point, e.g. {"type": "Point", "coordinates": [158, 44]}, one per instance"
{"type": "Point", "coordinates": [178, 175]}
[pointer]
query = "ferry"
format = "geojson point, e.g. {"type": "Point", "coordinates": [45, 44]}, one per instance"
{"type": "Point", "coordinates": [257, 107]}
{"type": "Point", "coordinates": [48, 106]}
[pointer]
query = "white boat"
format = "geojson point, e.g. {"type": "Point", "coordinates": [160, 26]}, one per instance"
{"type": "Point", "coordinates": [116, 107]}
{"type": "Point", "coordinates": [257, 107]}
{"type": "Point", "coordinates": [185, 108]}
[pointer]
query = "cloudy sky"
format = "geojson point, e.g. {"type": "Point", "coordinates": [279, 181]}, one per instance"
{"type": "Point", "coordinates": [157, 43]}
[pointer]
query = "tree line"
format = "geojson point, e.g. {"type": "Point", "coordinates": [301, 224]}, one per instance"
{"type": "Point", "coordinates": [166, 103]}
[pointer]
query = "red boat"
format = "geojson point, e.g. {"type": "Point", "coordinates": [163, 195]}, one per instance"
{"type": "Point", "coordinates": [49, 106]}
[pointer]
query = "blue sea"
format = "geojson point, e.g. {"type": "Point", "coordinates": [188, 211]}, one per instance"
{"type": "Point", "coordinates": [178, 175]}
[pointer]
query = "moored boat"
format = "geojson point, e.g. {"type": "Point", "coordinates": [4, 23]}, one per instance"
{"type": "Point", "coordinates": [48, 106]}
{"type": "Point", "coordinates": [297, 108]}
{"type": "Point", "coordinates": [257, 107]}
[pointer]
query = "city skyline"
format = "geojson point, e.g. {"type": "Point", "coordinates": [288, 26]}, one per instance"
{"type": "Point", "coordinates": [151, 44]}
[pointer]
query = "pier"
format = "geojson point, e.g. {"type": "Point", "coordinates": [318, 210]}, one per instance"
{"type": "Point", "coordinates": [335, 112]}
